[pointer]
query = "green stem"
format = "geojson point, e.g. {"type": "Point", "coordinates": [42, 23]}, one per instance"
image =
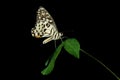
{"type": "Point", "coordinates": [101, 63]}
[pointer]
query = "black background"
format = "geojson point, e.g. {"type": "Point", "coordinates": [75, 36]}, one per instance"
{"type": "Point", "coordinates": [93, 24]}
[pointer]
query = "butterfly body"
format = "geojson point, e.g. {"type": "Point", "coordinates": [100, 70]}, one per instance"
{"type": "Point", "coordinates": [45, 27]}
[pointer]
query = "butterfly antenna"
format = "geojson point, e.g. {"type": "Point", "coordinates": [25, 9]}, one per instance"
{"type": "Point", "coordinates": [64, 37]}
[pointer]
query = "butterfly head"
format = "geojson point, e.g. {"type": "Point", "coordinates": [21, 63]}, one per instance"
{"type": "Point", "coordinates": [60, 34]}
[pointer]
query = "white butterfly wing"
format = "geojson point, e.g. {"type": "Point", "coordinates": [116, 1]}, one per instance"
{"type": "Point", "coordinates": [45, 26]}
{"type": "Point", "coordinates": [45, 23]}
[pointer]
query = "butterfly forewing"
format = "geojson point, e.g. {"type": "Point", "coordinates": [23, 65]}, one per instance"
{"type": "Point", "coordinates": [45, 26]}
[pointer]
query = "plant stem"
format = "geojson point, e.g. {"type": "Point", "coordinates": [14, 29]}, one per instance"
{"type": "Point", "coordinates": [101, 63]}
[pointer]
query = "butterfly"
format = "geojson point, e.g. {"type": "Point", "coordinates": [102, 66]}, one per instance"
{"type": "Point", "coordinates": [45, 26]}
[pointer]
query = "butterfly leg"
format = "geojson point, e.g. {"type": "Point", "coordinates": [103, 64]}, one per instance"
{"type": "Point", "coordinates": [61, 39]}
{"type": "Point", "coordinates": [55, 43]}
{"type": "Point", "coordinates": [47, 40]}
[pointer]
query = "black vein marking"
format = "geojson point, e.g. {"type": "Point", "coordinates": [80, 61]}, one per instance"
{"type": "Point", "coordinates": [43, 19]}
{"type": "Point", "coordinates": [36, 30]}
{"type": "Point", "coordinates": [44, 30]}
{"type": "Point", "coordinates": [55, 34]}
{"type": "Point", "coordinates": [43, 25]}
{"type": "Point", "coordinates": [51, 31]}
{"type": "Point", "coordinates": [38, 34]}
{"type": "Point", "coordinates": [42, 33]}
{"type": "Point", "coordinates": [48, 25]}
{"type": "Point", "coordinates": [39, 27]}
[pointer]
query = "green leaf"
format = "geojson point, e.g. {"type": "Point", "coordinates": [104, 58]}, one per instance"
{"type": "Point", "coordinates": [51, 64]}
{"type": "Point", "coordinates": [72, 46]}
